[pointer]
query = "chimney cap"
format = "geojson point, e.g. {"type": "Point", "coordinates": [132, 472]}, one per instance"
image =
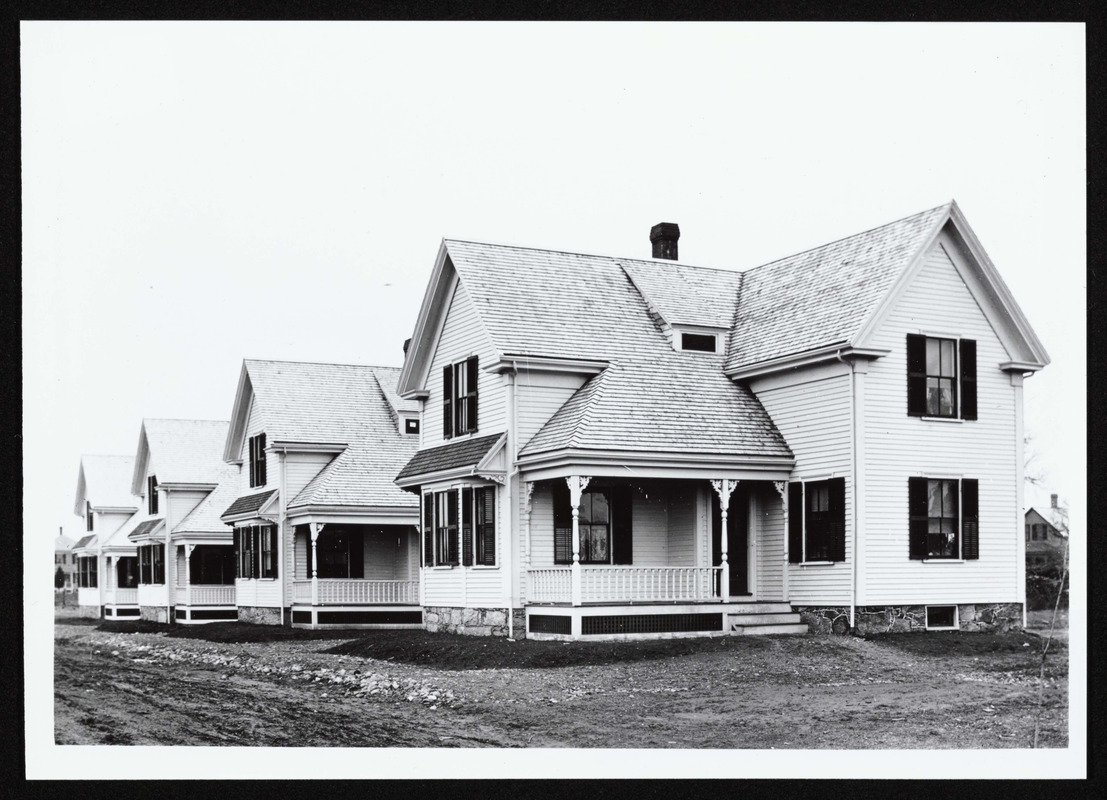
{"type": "Point", "coordinates": [1053, 501]}
{"type": "Point", "coordinates": [664, 230]}
{"type": "Point", "coordinates": [407, 343]}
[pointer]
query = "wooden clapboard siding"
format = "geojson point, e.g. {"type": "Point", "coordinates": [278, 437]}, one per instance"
{"type": "Point", "coordinates": [682, 526]}
{"type": "Point", "coordinates": [812, 410]}
{"type": "Point", "coordinates": [463, 336]}
{"type": "Point", "coordinates": [650, 515]}
{"type": "Point", "coordinates": [259, 593]}
{"type": "Point", "coordinates": [443, 586]}
{"type": "Point", "coordinates": [380, 554]}
{"type": "Point", "coordinates": [300, 468]}
{"type": "Point", "coordinates": [181, 504]}
{"type": "Point", "coordinates": [105, 524]}
{"type": "Point", "coordinates": [412, 550]}
{"type": "Point", "coordinates": [255, 425]}
{"type": "Point", "coordinates": [897, 446]}
{"type": "Point", "coordinates": [538, 397]}
{"type": "Point", "coordinates": [769, 530]}
{"type": "Point", "coordinates": [180, 576]}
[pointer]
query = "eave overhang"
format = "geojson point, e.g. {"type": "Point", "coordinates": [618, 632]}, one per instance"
{"type": "Point", "coordinates": [355, 515]}
{"type": "Point", "coordinates": [481, 468]}
{"type": "Point", "coordinates": [115, 509]}
{"type": "Point", "coordinates": [150, 531]}
{"type": "Point", "coordinates": [183, 486]}
{"type": "Point", "coordinates": [839, 351]}
{"type": "Point", "coordinates": [279, 446]}
{"type": "Point", "coordinates": [264, 511]}
{"type": "Point", "coordinates": [509, 362]}
{"type": "Point", "coordinates": [1020, 367]}
{"type": "Point", "coordinates": [653, 464]}
{"type": "Point", "coordinates": [204, 537]}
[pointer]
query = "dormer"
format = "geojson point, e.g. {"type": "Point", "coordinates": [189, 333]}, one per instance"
{"type": "Point", "coordinates": [698, 339]}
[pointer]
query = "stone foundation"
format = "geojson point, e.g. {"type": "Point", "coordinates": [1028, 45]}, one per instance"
{"type": "Point", "coordinates": [474, 621]}
{"type": "Point", "coordinates": [905, 619]}
{"type": "Point", "coordinates": [260, 615]}
{"type": "Point", "coordinates": [153, 614]}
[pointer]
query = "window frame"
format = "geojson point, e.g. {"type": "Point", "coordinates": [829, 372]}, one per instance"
{"type": "Point", "coordinates": [963, 381]}
{"type": "Point", "coordinates": [90, 520]}
{"type": "Point", "coordinates": [821, 527]}
{"type": "Point", "coordinates": [956, 618]}
{"type": "Point", "coordinates": [460, 393]}
{"type": "Point", "coordinates": [468, 538]}
{"type": "Point", "coordinates": [152, 494]}
{"type": "Point", "coordinates": [966, 525]}
{"type": "Point", "coordinates": [255, 545]}
{"type": "Point", "coordinates": [701, 337]}
{"type": "Point", "coordinates": [258, 475]}
{"type": "Point", "coordinates": [88, 572]}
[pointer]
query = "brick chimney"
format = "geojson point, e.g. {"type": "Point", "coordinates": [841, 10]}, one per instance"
{"type": "Point", "coordinates": [664, 237]}
{"type": "Point", "coordinates": [1053, 501]}
{"type": "Point", "coordinates": [407, 343]}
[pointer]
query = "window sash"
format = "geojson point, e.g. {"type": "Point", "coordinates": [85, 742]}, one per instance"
{"type": "Point", "coordinates": [943, 538]}
{"type": "Point", "coordinates": [152, 494]}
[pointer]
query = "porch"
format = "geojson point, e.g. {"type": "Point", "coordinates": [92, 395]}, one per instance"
{"type": "Point", "coordinates": [205, 584]}
{"type": "Point", "coordinates": [121, 587]}
{"type": "Point", "coordinates": [355, 576]}
{"type": "Point", "coordinates": [613, 558]}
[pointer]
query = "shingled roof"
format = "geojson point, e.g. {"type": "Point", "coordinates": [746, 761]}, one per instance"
{"type": "Point", "coordinates": [105, 482]}
{"type": "Point", "coordinates": [465, 453]}
{"type": "Point", "coordinates": [181, 451]}
{"type": "Point", "coordinates": [145, 528]}
{"type": "Point", "coordinates": [248, 503]}
{"type": "Point", "coordinates": [205, 517]}
{"type": "Point", "coordinates": [85, 541]}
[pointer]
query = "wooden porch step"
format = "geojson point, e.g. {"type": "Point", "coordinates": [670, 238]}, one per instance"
{"type": "Point", "coordinates": [736, 609]}
{"type": "Point", "coordinates": [798, 628]}
{"type": "Point", "coordinates": [763, 619]}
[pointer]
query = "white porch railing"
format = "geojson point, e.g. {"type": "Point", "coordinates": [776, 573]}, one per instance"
{"type": "Point", "coordinates": [122, 597]}
{"type": "Point", "coordinates": [206, 595]}
{"type": "Point", "coordinates": [624, 584]}
{"type": "Point", "coordinates": [354, 591]}
{"type": "Point", "coordinates": [550, 585]}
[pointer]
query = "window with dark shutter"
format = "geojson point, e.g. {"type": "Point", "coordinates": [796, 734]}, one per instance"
{"type": "Point", "coordinates": [88, 516]}
{"type": "Point", "coordinates": [471, 395]}
{"type": "Point", "coordinates": [485, 514]}
{"type": "Point", "coordinates": [916, 375]}
{"type": "Point", "coordinates": [795, 522]}
{"type": "Point", "coordinates": [816, 522]}
{"type": "Point", "coordinates": [159, 563]}
{"type": "Point", "coordinates": [970, 518]}
{"type": "Point", "coordinates": [594, 526]}
{"type": "Point", "coordinates": [918, 521]}
{"type": "Point", "coordinates": [445, 532]}
{"type": "Point", "coordinates": [466, 527]}
{"type": "Point", "coordinates": [967, 362]}
{"type": "Point", "coordinates": [428, 530]}
{"type": "Point", "coordinates": [257, 460]}
{"type": "Point", "coordinates": [622, 528]}
{"type": "Point", "coordinates": [563, 522]}
{"type": "Point", "coordinates": [447, 402]}
{"type": "Point", "coordinates": [357, 553]}
{"type": "Point", "coordinates": [152, 494]}
{"type": "Point", "coordinates": [836, 522]}
{"type": "Point", "coordinates": [267, 550]}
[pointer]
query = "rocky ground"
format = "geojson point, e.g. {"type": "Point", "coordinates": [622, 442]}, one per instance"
{"type": "Point", "coordinates": [244, 685]}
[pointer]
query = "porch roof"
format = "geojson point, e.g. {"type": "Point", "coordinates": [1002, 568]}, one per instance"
{"type": "Point", "coordinates": [359, 476]}
{"type": "Point", "coordinates": [248, 503]}
{"type": "Point", "coordinates": [146, 529]}
{"type": "Point", "coordinates": [205, 517]}
{"type": "Point", "coordinates": [452, 456]}
{"type": "Point", "coordinates": [85, 541]}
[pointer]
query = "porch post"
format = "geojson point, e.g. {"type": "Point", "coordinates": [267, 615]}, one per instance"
{"type": "Point", "coordinates": [188, 574]}
{"type": "Point", "coordinates": [527, 508]}
{"type": "Point", "coordinates": [577, 485]}
{"type": "Point", "coordinates": [724, 488]}
{"type": "Point", "coordinates": [316, 529]}
{"type": "Point", "coordinates": [782, 489]}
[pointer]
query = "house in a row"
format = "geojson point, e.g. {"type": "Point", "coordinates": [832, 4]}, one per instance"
{"type": "Point", "coordinates": [184, 554]}
{"type": "Point", "coordinates": [105, 503]}
{"type": "Point", "coordinates": [65, 560]}
{"type": "Point", "coordinates": [638, 446]}
{"type": "Point", "coordinates": [322, 536]}
{"type": "Point", "coordinates": [1046, 531]}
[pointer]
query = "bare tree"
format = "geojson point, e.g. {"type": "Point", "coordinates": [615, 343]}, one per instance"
{"type": "Point", "coordinates": [1033, 472]}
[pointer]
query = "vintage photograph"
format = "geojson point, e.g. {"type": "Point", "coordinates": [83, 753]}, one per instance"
{"type": "Point", "coordinates": [704, 399]}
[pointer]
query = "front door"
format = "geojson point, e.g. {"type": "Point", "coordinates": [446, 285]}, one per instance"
{"type": "Point", "coordinates": [737, 533]}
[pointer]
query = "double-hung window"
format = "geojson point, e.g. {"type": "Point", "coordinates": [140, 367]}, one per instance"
{"type": "Point", "coordinates": [941, 377]}
{"type": "Point", "coordinates": [152, 494]}
{"type": "Point", "coordinates": [257, 460]}
{"type": "Point", "coordinates": [151, 564]}
{"type": "Point", "coordinates": [88, 516]}
{"type": "Point", "coordinates": [604, 521]}
{"type": "Point", "coordinates": [341, 553]}
{"type": "Point", "coordinates": [817, 521]}
{"type": "Point", "coordinates": [87, 577]}
{"type": "Point", "coordinates": [476, 508]}
{"type": "Point", "coordinates": [944, 518]}
{"type": "Point", "coordinates": [459, 398]}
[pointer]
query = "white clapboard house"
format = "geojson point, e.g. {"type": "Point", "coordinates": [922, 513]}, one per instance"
{"type": "Point", "coordinates": [105, 502]}
{"type": "Point", "coordinates": [185, 553]}
{"type": "Point", "coordinates": [322, 536]}
{"type": "Point", "coordinates": [627, 446]}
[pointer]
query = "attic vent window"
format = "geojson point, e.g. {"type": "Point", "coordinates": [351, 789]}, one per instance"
{"type": "Point", "coordinates": [700, 342]}
{"type": "Point", "coordinates": [411, 426]}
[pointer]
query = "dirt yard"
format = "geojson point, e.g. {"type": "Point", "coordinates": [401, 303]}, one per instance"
{"type": "Point", "coordinates": [236, 684]}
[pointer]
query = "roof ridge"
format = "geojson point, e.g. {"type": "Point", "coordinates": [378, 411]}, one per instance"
{"type": "Point", "coordinates": [317, 363]}
{"type": "Point", "coordinates": [615, 258]}
{"type": "Point", "coordinates": [181, 419]}
{"type": "Point", "coordinates": [844, 238]}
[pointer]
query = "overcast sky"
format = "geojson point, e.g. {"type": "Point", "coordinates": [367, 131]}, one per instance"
{"type": "Point", "coordinates": [198, 193]}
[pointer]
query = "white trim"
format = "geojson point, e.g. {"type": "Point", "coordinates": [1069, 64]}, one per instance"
{"type": "Point", "coordinates": [956, 420]}
{"type": "Point", "coordinates": [833, 352]}
{"type": "Point", "coordinates": [956, 617]}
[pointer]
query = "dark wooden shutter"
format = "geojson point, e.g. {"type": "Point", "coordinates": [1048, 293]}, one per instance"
{"type": "Point", "coordinates": [836, 526]}
{"type": "Point", "coordinates": [563, 522]}
{"type": "Point", "coordinates": [454, 526]}
{"type": "Point", "coordinates": [795, 522]}
{"type": "Point", "coordinates": [262, 480]}
{"type": "Point", "coordinates": [967, 361]}
{"type": "Point", "coordinates": [917, 508]}
{"type": "Point", "coordinates": [471, 402]}
{"type": "Point", "coordinates": [622, 527]}
{"type": "Point", "coordinates": [447, 401]}
{"type": "Point", "coordinates": [467, 527]}
{"type": "Point", "coordinates": [916, 375]}
{"type": "Point", "coordinates": [970, 518]}
{"type": "Point", "coordinates": [486, 520]}
{"type": "Point", "coordinates": [428, 530]}
{"type": "Point", "coordinates": [251, 445]}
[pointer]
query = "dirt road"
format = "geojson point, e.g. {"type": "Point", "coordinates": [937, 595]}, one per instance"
{"type": "Point", "coordinates": [909, 691]}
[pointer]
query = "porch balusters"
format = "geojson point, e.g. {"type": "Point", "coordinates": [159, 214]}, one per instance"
{"type": "Point", "coordinates": [724, 488]}
{"type": "Point", "coordinates": [577, 485]}
{"type": "Point", "coordinates": [782, 489]}
{"type": "Point", "coordinates": [316, 529]}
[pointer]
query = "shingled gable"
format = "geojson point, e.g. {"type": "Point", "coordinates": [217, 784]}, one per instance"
{"type": "Point", "coordinates": [830, 299]}
{"type": "Point", "coordinates": [182, 451]}
{"type": "Point", "coordinates": [104, 482]}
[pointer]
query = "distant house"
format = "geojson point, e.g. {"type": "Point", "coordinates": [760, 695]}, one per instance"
{"type": "Point", "coordinates": [1046, 531]}
{"type": "Point", "coordinates": [185, 555]}
{"type": "Point", "coordinates": [65, 560]}
{"type": "Point", "coordinates": [322, 536]}
{"type": "Point", "coordinates": [618, 447]}
{"type": "Point", "coordinates": [105, 503]}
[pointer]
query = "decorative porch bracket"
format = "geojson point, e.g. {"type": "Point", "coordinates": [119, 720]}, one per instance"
{"type": "Point", "coordinates": [724, 488]}
{"type": "Point", "coordinates": [316, 529]}
{"type": "Point", "coordinates": [577, 485]}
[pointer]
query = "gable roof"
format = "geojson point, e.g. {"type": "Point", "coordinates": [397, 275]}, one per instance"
{"type": "Point", "coordinates": [454, 455]}
{"type": "Point", "coordinates": [104, 481]}
{"type": "Point", "coordinates": [1052, 517]}
{"type": "Point", "coordinates": [180, 451]}
{"type": "Point", "coordinates": [205, 517]}
{"type": "Point", "coordinates": [686, 295]}
{"type": "Point", "coordinates": [248, 503]}
{"type": "Point", "coordinates": [822, 296]}
{"type": "Point", "coordinates": [63, 542]}
{"type": "Point", "coordinates": [85, 541]}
